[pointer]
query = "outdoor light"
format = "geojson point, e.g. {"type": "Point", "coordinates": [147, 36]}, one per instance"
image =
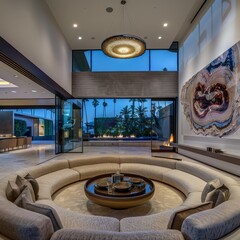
{"type": "Point", "coordinates": [124, 45]}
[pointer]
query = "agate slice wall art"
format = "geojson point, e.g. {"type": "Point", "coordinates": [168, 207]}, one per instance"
{"type": "Point", "coordinates": [211, 100]}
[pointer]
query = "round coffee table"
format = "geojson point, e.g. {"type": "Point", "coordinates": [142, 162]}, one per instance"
{"type": "Point", "coordinates": [132, 191]}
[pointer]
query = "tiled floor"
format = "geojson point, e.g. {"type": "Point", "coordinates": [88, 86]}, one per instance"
{"type": "Point", "coordinates": [37, 153]}
{"type": "Point", "coordinates": [40, 152]}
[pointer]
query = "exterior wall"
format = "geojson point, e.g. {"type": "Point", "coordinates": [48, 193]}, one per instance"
{"type": "Point", "coordinates": [125, 85]}
{"type": "Point", "coordinates": [213, 34]}
{"type": "Point", "coordinates": [30, 28]}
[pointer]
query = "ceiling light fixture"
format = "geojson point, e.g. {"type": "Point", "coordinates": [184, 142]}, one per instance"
{"type": "Point", "coordinates": [165, 24]}
{"type": "Point", "coordinates": [75, 25]}
{"type": "Point", "coordinates": [34, 91]}
{"type": "Point", "coordinates": [159, 37]}
{"type": "Point", "coordinates": [124, 45]}
{"type": "Point", "coordinates": [80, 38]}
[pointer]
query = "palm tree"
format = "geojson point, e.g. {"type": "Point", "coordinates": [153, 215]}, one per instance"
{"type": "Point", "coordinates": [95, 103]}
{"type": "Point", "coordinates": [133, 100]}
{"type": "Point", "coordinates": [85, 109]}
{"type": "Point", "coordinates": [104, 108]}
{"type": "Point", "coordinates": [114, 107]}
{"type": "Point", "coordinates": [142, 101]}
{"type": "Point", "coordinates": [142, 122]}
{"type": "Point", "coordinates": [125, 112]}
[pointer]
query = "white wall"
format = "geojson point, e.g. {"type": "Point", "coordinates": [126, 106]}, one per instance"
{"type": "Point", "coordinates": [29, 27]}
{"type": "Point", "coordinates": [213, 34]}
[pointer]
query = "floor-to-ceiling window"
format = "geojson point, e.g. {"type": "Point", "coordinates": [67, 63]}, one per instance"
{"type": "Point", "coordinates": [132, 119]}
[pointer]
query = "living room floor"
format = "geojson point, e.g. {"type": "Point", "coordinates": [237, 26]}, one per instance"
{"type": "Point", "coordinates": [42, 151]}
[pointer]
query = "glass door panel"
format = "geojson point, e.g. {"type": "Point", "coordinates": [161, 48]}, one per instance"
{"type": "Point", "coordinates": [163, 118]}
{"type": "Point", "coordinates": [72, 126]}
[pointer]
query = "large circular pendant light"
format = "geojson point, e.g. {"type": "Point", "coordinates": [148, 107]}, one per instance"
{"type": "Point", "coordinates": [124, 45]}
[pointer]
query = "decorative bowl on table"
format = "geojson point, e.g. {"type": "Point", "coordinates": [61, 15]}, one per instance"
{"type": "Point", "coordinates": [134, 180]}
{"type": "Point", "coordinates": [122, 186]}
{"type": "Point", "coordinates": [103, 183]}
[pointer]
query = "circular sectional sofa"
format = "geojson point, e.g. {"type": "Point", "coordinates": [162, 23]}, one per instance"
{"type": "Point", "coordinates": [221, 222]}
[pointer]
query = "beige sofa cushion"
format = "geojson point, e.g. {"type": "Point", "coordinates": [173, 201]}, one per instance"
{"type": "Point", "coordinates": [77, 234]}
{"type": "Point", "coordinates": [83, 160]}
{"type": "Point", "coordinates": [50, 183]}
{"type": "Point", "coordinates": [183, 181]}
{"type": "Point", "coordinates": [150, 171]}
{"type": "Point", "coordinates": [34, 184]}
{"type": "Point", "coordinates": [88, 171]}
{"type": "Point", "coordinates": [209, 187]}
{"type": "Point", "coordinates": [12, 191]}
{"type": "Point", "coordinates": [218, 196]}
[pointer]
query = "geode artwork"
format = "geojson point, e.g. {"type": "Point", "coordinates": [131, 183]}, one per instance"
{"type": "Point", "coordinates": [211, 100]}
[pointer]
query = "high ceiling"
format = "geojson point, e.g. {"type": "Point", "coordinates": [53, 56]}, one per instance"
{"type": "Point", "coordinates": [144, 18]}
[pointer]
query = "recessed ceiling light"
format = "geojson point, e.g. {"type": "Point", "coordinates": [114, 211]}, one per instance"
{"type": "Point", "coordinates": [109, 9]}
{"type": "Point", "coordinates": [15, 75]}
{"type": "Point", "coordinates": [75, 25]}
{"type": "Point", "coordinates": [165, 24]}
{"type": "Point", "coordinates": [34, 91]}
{"type": "Point", "coordinates": [159, 37]}
{"type": "Point", "coordinates": [80, 38]}
{"type": "Point", "coordinates": [13, 91]}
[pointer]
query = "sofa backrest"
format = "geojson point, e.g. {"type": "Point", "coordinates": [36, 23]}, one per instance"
{"type": "Point", "coordinates": [168, 163]}
{"type": "Point", "coordinates": [93, 160]}
{"type": "Point", "coordinates": [205, 173]}
{"type": "Point", "coordinates": [44, 168]}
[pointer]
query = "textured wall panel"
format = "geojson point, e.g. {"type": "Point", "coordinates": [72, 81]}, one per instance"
{"type": "Point", "coordinates": [125, 84]}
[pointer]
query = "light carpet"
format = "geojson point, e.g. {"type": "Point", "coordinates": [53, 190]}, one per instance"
{"type": "Point", "coordinates": [73, 197]}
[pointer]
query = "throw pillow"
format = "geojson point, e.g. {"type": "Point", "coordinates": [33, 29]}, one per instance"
{"type": "Point", "coordinates": [34, 184]}
{"type": "Point", "coordinates": [12, 191]}
{"type": "Point", "coordinates": [22, 182]}
{"type": "Point", "coordinates": [218, 196]}
{"type": "Point", "coordinates": [210, 186]}
{"type": "Point", "coordinates": [24, 197]}
{"type": "Point", "coordinates": [47, 211]}
{"type": "Point", "coordinates": [178, 217]}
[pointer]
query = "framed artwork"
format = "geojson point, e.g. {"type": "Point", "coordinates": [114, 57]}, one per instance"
{"type": "Point", "coordinates": [211, 100]}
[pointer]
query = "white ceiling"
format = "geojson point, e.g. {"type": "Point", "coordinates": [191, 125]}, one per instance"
{"type": "Point", "coordinates": [25, 85]}
{"type": "Point", "coordinates": [144, 18]}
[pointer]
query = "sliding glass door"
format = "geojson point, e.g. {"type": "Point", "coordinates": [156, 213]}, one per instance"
{"type": "Point", "coordinates": [69, 125]}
